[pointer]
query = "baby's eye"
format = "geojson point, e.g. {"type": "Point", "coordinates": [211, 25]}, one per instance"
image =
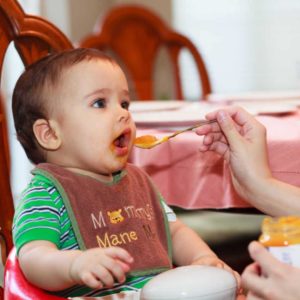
{"type": "Point", "coordinates": [125, 104]}
{"type": "Point", "coordinates": [99, 103]}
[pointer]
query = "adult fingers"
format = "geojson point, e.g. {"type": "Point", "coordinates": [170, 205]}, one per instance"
{"type": "Point", "coordinates": [252, 281]}
{"type": "Point", "coordinates": [264, 258]}
{"type": "Point", "coordinates": [228, 127]}
{"type": "Point", "coordinates": [252, 296]}
{"type": "Point", "coordinates": [240, 115]}
{"type": "Point", "coordinates": [217, 147]}
{"type": "Point", "coordinates": [207, 128]}
{"type": "Point", "coordinates": [214, 137]}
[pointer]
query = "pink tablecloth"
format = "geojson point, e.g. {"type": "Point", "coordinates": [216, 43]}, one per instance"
{"type": "Point", "coordinates": [193, 180]}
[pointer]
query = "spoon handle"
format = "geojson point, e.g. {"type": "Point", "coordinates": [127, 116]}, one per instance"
{"type": "Point", "coordinates": [201, 123]}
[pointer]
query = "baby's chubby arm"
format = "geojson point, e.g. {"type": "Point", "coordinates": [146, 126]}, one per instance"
{"type": "Point", "coordinates": [190, 249]}
{"type": "Point", "coordinates": [51, 269]}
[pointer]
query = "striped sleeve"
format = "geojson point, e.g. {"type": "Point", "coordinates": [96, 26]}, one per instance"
{"type": "Point", "coordinates": [37, 216]}
{"type": "Point", "coordinates": [171, 216]}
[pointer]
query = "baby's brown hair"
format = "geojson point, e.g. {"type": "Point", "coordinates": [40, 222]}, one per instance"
{"type": "Point", "coordinates": [32, 93]}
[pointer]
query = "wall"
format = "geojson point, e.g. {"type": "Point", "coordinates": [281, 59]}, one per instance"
{"type": "Point", "coordinates": [247, 45]}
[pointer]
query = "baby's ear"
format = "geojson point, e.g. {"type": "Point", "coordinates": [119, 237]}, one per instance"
{"type": "Point", "coordinates": [47, 134]}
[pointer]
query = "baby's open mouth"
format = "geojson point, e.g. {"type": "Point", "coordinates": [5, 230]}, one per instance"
{"type": "Point", "coordinates": [123, 139]}
{"type": "Point", "coordinates": [120, 141]}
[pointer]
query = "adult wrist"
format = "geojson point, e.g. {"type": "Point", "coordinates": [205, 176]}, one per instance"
{"type": "Point", "coordinates": [257, 184]}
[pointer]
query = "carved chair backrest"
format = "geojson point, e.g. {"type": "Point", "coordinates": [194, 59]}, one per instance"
{"type": "Point", "coordinates": [6, 201]}
{"type": "Point", "coordinates": [33, 38]}
{"type": "Point", "coordinates": [135, 36]}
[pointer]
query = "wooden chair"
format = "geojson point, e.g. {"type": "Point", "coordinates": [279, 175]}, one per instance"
{"type": "Point", "coordinates": [6, 200]}
{"type": "Point", "coordinates": [134, 35]}
{"type": "Point", "coordinates": [4, 129]}
{"type": "Point", "coordinates": [33, 38]}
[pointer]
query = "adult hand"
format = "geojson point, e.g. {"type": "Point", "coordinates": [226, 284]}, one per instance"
{"type": "Point", "coordinates": [241, 140]}
{"type": "Point", "coordinates": [268, 278]}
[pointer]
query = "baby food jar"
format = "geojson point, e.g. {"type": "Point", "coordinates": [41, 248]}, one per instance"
{"type": "Point", "coordinates": [282, 238]}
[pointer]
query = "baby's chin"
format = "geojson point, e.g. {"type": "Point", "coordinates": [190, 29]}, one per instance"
{"type": "Point", "coordinates": [118, 166]}
{"type": "Point", "coordinates": [121, 167]}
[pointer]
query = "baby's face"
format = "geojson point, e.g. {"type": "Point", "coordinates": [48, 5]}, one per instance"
{"type": "Point", "coordinates": [96, 127]}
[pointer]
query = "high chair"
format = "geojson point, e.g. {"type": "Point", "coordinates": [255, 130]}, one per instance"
{"type": "Point", "coordinates": [17, 287]}
{"type": "Point", "coordinates": [134, 35]}
{"type": "Point", "coordinates": [33, 38]}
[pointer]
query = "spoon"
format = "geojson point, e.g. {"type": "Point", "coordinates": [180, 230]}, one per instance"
{"type": "Point", "coordinates": [150, 141]}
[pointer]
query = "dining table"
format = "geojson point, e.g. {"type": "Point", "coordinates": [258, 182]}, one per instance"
{"type": "Point", "coordinates": [190, 179]}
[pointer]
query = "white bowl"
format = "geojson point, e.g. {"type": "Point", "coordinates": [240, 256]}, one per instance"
{"type": "Point", "coordinates": [191, 283]}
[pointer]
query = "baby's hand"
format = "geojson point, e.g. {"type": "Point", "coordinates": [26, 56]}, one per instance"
{"type": "Point", "coordinates": [98, 268]}
{"type": "Point", "coordinates": [209, 260]}
{"type": "Point", "coordinates": [212, 260]}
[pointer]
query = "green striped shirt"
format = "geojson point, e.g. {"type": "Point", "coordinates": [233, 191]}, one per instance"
{"type": "Point", "coordinates": [41, 215]}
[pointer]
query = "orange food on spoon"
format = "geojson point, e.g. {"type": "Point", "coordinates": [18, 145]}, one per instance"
{"type": "Point", "coordinates": [150, 141]}
{"type": "Point", "coordinates": [145, 140]}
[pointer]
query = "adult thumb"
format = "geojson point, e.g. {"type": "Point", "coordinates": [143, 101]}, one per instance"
{"type": "Point", "coordinates": [227, 125]}
{"type": "Point", "coordinates": [261, 255]}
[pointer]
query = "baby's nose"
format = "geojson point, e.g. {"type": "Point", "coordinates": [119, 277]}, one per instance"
{"type": "Point", "coordinates": [124, 115]}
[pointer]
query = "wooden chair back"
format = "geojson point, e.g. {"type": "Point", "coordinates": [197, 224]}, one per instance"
{"type": "Point", "coordinates": [33, 38]}
{"type": "Point", "coordinates": [6, 200]}
{"type": "Point", "coordinates": [135, 35]}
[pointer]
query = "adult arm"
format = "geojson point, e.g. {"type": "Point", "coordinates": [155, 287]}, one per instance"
{"type": "Point", "coordinates": [241, 140]}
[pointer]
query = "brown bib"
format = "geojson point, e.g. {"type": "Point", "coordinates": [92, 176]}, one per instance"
{"type": "Point", "coordinates": [126, 213]}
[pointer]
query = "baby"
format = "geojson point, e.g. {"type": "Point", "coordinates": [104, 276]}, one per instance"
{"type": "Point", "coordinates": [89, 223]}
